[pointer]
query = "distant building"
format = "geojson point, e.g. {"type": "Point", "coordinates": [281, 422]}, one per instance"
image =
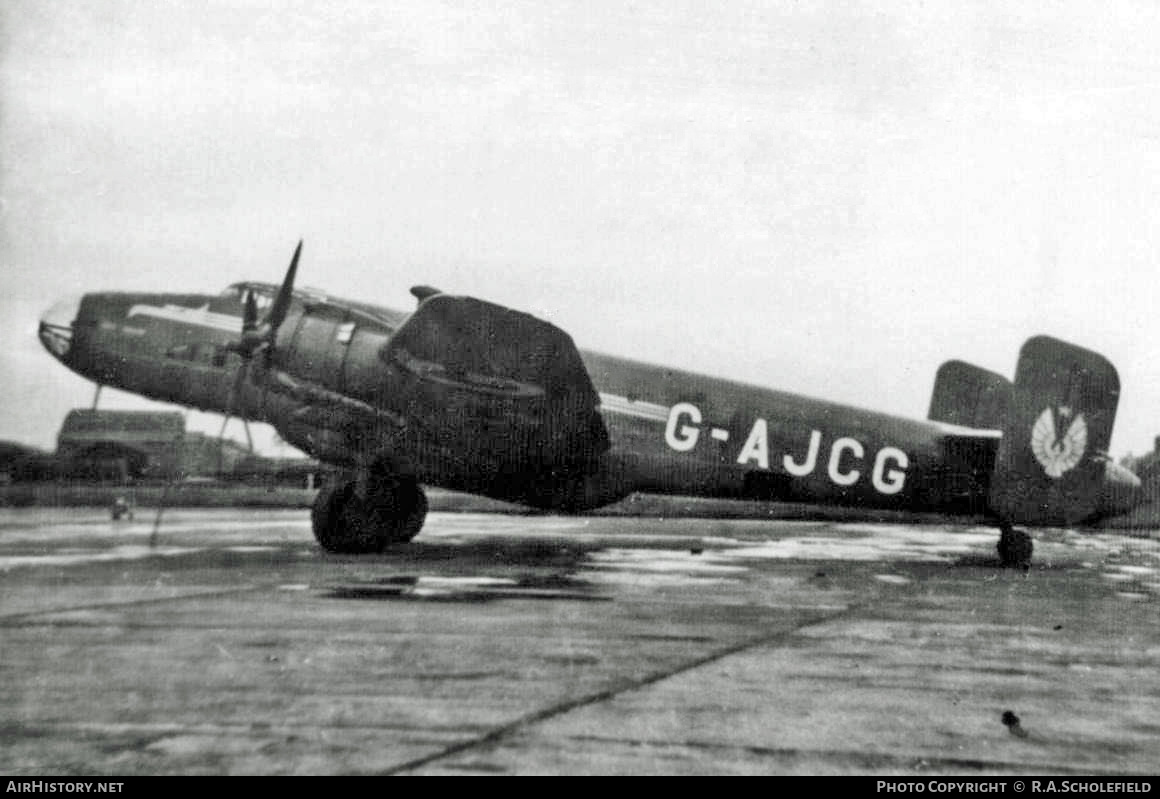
{"type": "Point", "coordinates": [134, 445]}
{"type": "Point", "coordinates": [128, 444]}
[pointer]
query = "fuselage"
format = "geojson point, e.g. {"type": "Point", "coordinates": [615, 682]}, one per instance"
{"type": "Point", "coordinates": [669, 431]}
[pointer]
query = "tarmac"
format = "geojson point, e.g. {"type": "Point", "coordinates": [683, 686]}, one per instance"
{"type": "Point", "coordinates": [230, 644]}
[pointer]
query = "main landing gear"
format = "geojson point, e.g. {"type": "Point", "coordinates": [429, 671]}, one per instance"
{"type": "Point", "coordinates": [1015, 547]}
{"type": "Point", "coordinates": [355, 519]}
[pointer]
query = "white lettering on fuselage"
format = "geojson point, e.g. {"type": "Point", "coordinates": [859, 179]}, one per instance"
{"type": "Point", "coordinates": [843, 465]}
{"type": "Point", "coordinates": [756, 446]}
{"type": "Point", "coordinates": [684, 439]}
{"type": "Point", "coordinates": [807, 466]}
{"type": "Point", "coordinates": [836, 475]}
{"type": "Point", "coordinates": [889, 482]}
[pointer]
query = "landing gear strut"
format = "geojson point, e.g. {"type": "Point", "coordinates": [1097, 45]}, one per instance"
{"type": "Point", "coordinates": [1015, 547]}
{"type": "Point", "coordinates": [390, 510]}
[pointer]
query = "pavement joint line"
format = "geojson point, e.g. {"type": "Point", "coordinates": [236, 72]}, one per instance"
{"type": "Point", "coordinates": [30, 614]}
{"type": "Point", "coordinates": [879, 758]}
{"type": "Point", "coordinates": [622, 687]}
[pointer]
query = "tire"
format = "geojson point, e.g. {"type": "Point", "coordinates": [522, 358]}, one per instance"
{"type": "Point", "coordinates": [340, 523]}
{"type": "Point", "coordinates": [399, 508]}
{"type": "Point", "coordinates": [411, 497]}
{"type": "Point", "coordinates": [1015, 548]}
{"type": "Point", "coordinates": [393, 513]}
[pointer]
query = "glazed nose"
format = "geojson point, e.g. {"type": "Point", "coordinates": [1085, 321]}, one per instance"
{"type": "Point", "coordinates": [56, 325]}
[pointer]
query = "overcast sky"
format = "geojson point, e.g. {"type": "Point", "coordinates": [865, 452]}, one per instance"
{"type": "Point", "coordinates": [830, 200]}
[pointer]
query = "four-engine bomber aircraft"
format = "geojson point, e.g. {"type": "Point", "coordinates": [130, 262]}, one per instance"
{"type": "Point", "coordinates": [472, 396]}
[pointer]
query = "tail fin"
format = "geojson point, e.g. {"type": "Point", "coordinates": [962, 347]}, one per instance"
{"type": "Point", "coordinates": [969, 396]}
{"type": "Point", "coordinates": [1050, 464]}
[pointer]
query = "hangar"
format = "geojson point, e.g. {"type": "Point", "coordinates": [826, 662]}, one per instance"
{"type": "Point", "coordinates": [122, 444]}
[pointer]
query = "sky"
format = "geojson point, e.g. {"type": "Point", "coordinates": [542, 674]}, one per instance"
{"type": "Point", "coordinates": [829, 199]}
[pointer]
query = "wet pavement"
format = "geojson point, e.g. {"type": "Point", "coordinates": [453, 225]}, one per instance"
{"type": "Point", "coordinates": [541, 644]}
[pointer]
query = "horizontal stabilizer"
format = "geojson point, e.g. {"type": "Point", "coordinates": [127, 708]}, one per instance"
{"type": "Point", "coordinates": [1051, 461]}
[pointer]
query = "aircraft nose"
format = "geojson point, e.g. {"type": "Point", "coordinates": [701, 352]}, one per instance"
{"type": "Point", "coordinates": [56, 325]}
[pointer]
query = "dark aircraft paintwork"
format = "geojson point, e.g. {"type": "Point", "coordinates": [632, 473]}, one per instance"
{"type": "Point", "coordinates": [471, 396]}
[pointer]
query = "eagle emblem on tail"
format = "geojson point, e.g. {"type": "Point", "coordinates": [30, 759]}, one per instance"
{"type": "Point", "coordinates": [1058, 450]}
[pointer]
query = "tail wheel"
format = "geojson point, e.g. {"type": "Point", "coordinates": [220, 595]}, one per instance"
{"type": "Point", "coordinates": [1015, 548]}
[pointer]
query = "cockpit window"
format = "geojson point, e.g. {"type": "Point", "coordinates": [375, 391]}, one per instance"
{"type": "Point", "coordinates": [263, 294]}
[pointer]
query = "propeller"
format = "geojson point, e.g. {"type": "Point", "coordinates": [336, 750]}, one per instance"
{"type": "Point", "coordinates": [257, 336]}
{"type": "Point", "coordinates": [250, 315]}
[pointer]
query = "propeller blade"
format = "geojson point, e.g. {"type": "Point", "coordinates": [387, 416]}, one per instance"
{"type": "Point", "coordinates": [250, 318]}
{"type": "Point", "coordinates": [268, 331]}
{"type": "Point", "coordinates": [281, 304]}
{"type": "Point", "coordinates": [258, 335]}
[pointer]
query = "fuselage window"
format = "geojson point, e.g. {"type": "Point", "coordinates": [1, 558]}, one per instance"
{"type": "Point", "coordinates": [203, 354]}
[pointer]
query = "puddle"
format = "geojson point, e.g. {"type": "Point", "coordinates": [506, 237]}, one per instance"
{"type": "Point", "coordinates": [98, 526]}
{"type": "Point", "coordinates": [597, 552]}
{"type": "Point", "coordinates": [1139, 578]}
{"type": "Point", "coordinates": [725, 559]}
{"type": "Point", "coordinates": [893, 579]}
{"type": "Point", "coordinates": [463, 589]}
{"type": "Point", "coordinates": [1136, 571]}
{"type": "Point", "coordinates": [76, 557]}
{"type": "Point", "coordinates": [865, 542]}
{"type": "Point", "coordinates": [659, 568]}
{"type": "Point", "coordinates": [663, 560]}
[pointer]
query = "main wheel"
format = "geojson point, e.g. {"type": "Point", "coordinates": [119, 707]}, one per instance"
{"type": "Point", "coordinates": [396, 506]}
{"type": "Point", "coordinates": [392, 512]}
{"type": "Point", "coordinates": [1015, 548]}
{"type": "Point", "coordinates": [340, 522]}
